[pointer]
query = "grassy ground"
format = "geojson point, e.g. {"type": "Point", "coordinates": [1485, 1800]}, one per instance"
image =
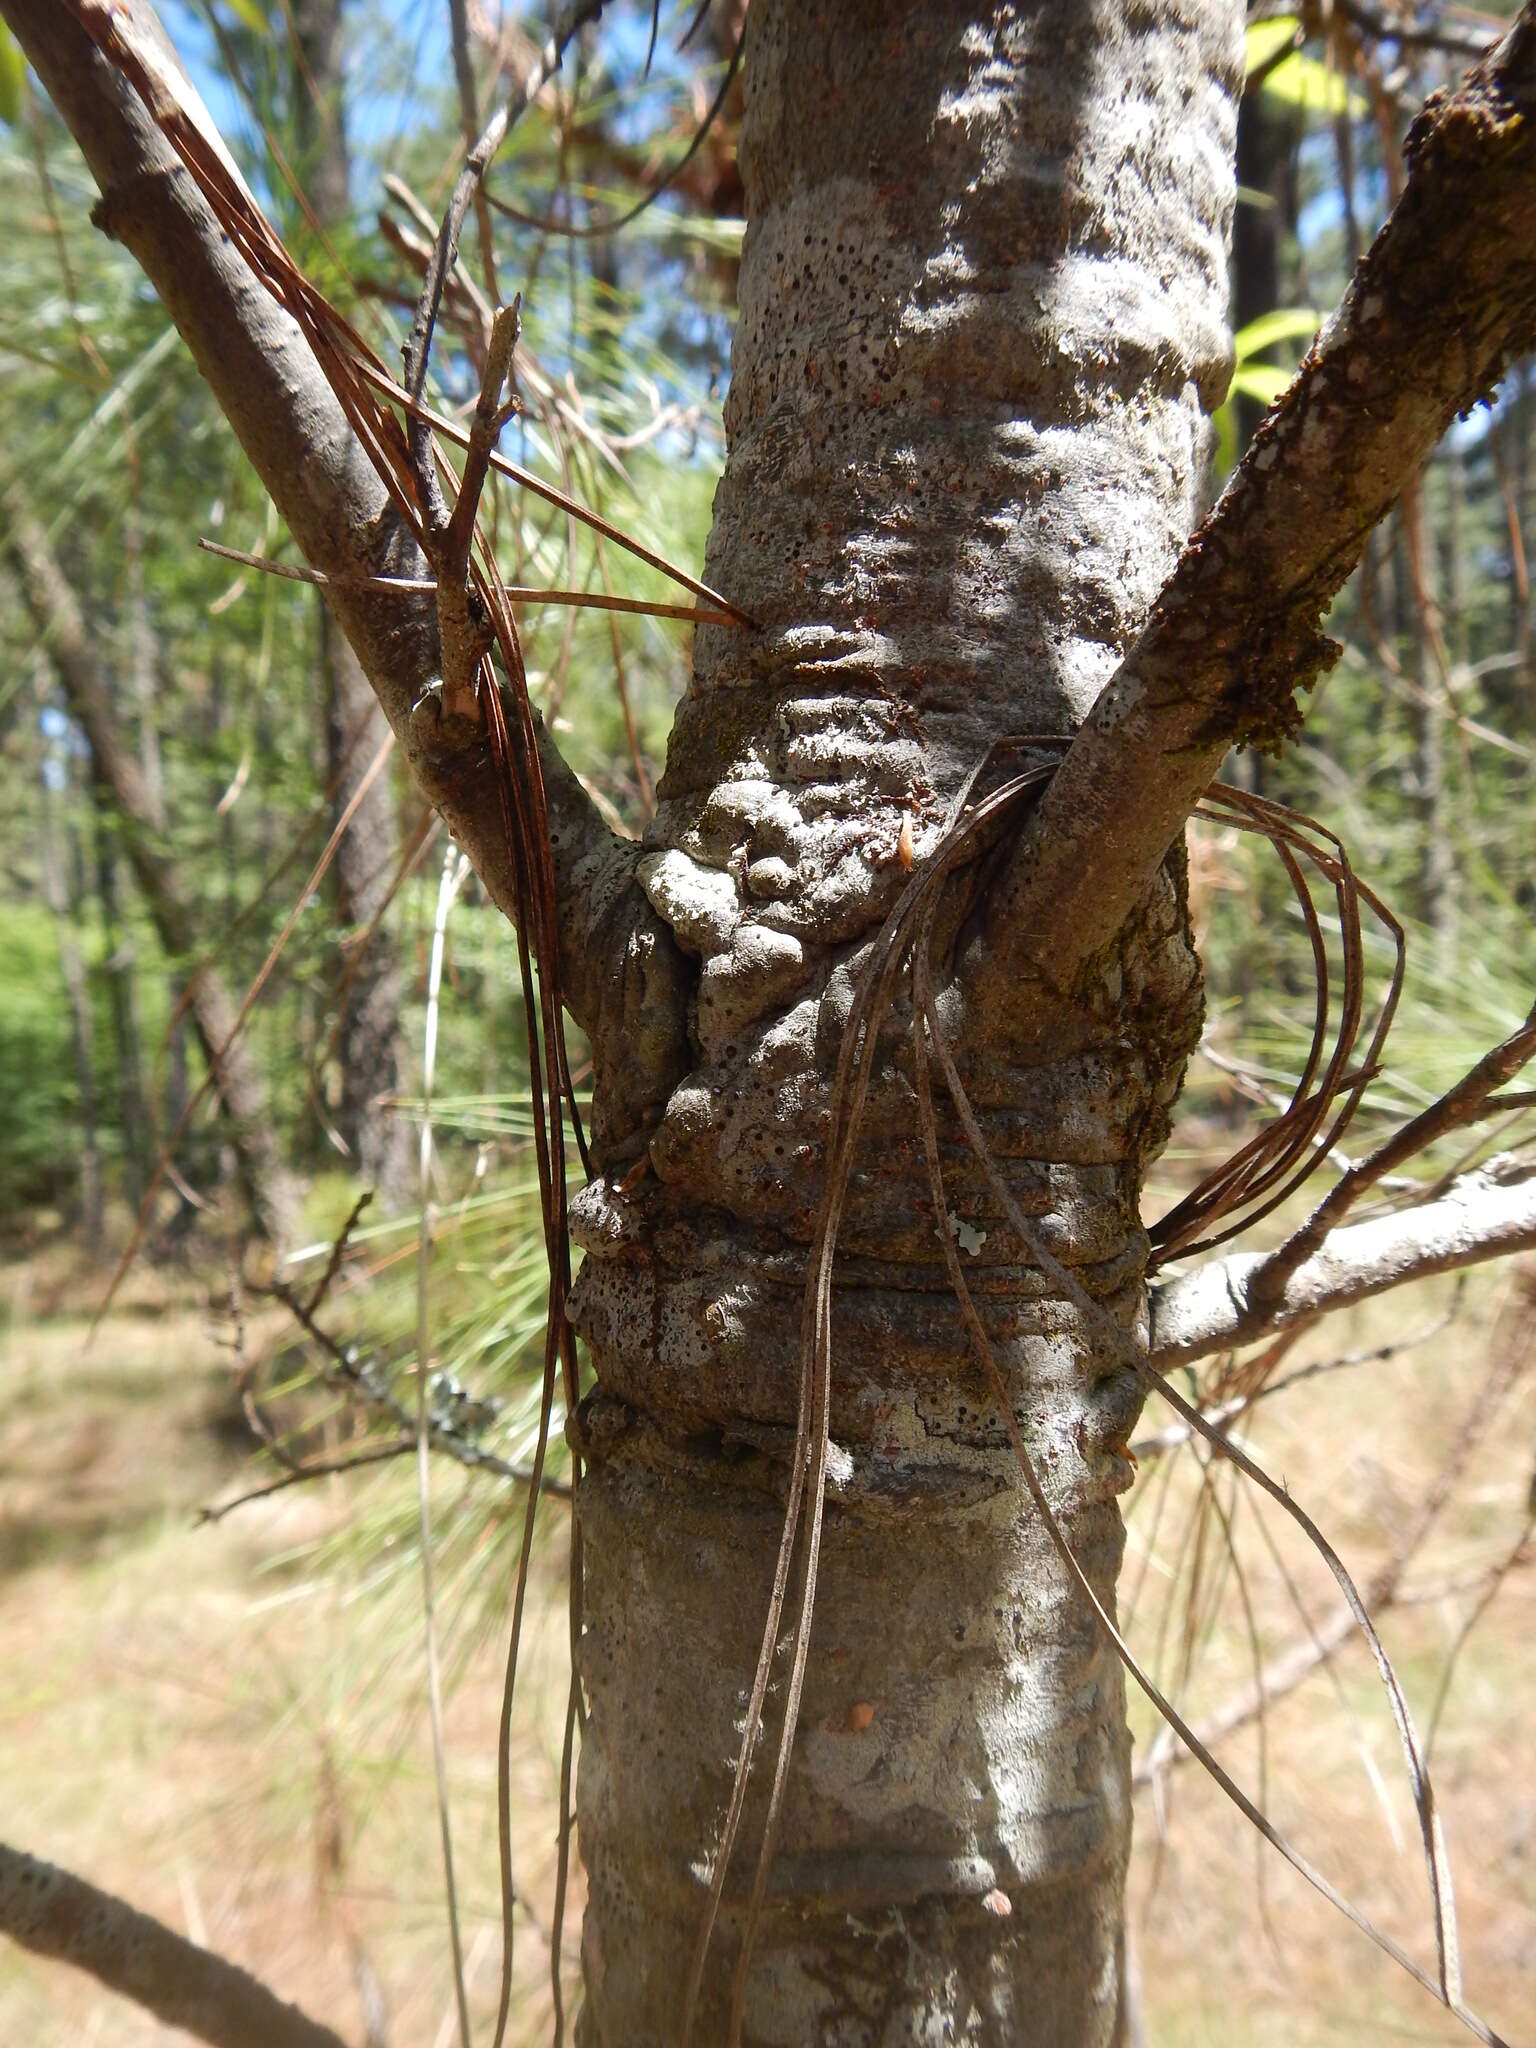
{"type": "Point", "coordinates": [224, 1723]}
{"type": "Point", "coordinates": [1233, 1946]}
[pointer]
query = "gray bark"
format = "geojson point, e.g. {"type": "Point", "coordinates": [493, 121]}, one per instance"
{"type": "Point", "coordinates": [1443, 300]}
{"type": "Point", "coordinates": [966, 440]}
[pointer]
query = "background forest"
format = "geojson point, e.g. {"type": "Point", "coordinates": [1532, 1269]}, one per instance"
{"type": "Point", "coordinates": [224, 1715]}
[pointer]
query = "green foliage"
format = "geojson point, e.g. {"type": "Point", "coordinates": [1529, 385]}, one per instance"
{"type": "Point", "coordinates": [39, 1083]}
{"type": "Point", "coordinates": [251, 14]}
{"type": "Point", "coordinates": [1258, 380]}
{"type": "Point", "coordinates": [1300, 81]}
{"type": "Point", "coordinates": [13, 76]}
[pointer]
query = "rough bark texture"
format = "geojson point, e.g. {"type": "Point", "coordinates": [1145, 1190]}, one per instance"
{"type": "Point", "coordinates": [967, 438]}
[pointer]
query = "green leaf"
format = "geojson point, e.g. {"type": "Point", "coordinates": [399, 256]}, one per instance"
{"type": "Point", "coordinates": [1266, 38]}
{"type": "Point", "coordinates": [1285, 323]}
{"type": "Point", "coordinates": [13, 76]}
{"type": "Point", "coordinates": [252, 13]}
{"type": "Point", "coordinates": [1262, 381]}
{"type": "Point", "coordinates": [1308, 83]}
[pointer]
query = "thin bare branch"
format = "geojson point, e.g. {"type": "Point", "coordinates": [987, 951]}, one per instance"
{"type": "Point", "coordinates": [311, 458]}
{"type": "Point", "coordinates": [56, 1914]}
{"type": "Point", "coordinates": [519, 593]}
{"type": "Point", "coordinates": [1221, 1411]}
{"type": "Point", "coordinates": [1483, 1215]}
{"type": "Point", "coordinates": [1458, 1107]}
{"type": "Point", "coordinates": [455, 871]}
{"type": "Point", "coordinates": [1284, 1672]}
{"type": "Point", "coordinates": [469, 181]}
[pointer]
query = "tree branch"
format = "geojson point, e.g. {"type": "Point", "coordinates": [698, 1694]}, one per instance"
{"type": "Point", "coordinates": [1463, 1104]}
{"type": "Point", "coordinates": [1484, 1215]}
{"type": "Point", "coordinates": [272, 391]}
{"type": "Point", "coordinates": [55, 1914]}
{"type": "Point", "coordinates": [1436, 308]}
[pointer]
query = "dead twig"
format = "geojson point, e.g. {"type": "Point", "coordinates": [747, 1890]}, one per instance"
{"type": "Point", "coordinates": [53, 1913]}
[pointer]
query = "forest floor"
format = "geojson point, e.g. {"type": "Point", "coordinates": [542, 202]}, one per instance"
{"type": "Point", "coordinates": [224, 1722]}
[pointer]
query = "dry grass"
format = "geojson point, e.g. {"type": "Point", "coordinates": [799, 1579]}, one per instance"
{"type": "Point", "coordinates": [1234, 1948]}
{"type": "Point", "coordinates": [226, 1724]}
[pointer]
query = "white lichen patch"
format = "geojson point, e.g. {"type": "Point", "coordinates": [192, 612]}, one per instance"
{"type": "Point", "coordinates": [701, 904]}
{"type": "Point", "coordinates": [969, 1239]}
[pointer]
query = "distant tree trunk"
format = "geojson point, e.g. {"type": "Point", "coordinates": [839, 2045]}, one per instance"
{"type": "Point", "coordinates": [368, 1042]}
{"type": "Point", "coordinates": [1264, 143]}
{"type": "Point", "coordinates": [142, 642]}
{"type": "Point", "coordinates": [368, 1039]}
{"type": "Point", "coordinates": [1518, 417]}
{"type": "Point", "coordinates": [236, 1078]}
{"type": "Point", "coordinates": [1421, 626]}
{"type": "Point", "coordinates": [1265, 140]}
{"type": "Point", "coordinates": [121, 963]}
{"type": "Point", "coordinates": [66, 914]}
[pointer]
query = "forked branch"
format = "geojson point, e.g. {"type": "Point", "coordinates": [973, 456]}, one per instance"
{"type": "Point", "coordinates": [1224, 1302]}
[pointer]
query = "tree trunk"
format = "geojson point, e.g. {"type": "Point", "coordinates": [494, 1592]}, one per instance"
{"type": "Point", "coordinates": [236, 1077]}
{"type": "Point", "coordinates": [121, 960]}
{"type": "Point", "coordinates": [966, 439]}
{"type": "Point", "coordinates": [982, 319]}
{"type": "Point", "coordinates": [368, 1040]}
{"type": "Point", "coordinates": [66, 917]}
{"type": "Point", "coordinates": [1423, 641]}
{"type": "Point", "coordinates": [368, 1037]}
